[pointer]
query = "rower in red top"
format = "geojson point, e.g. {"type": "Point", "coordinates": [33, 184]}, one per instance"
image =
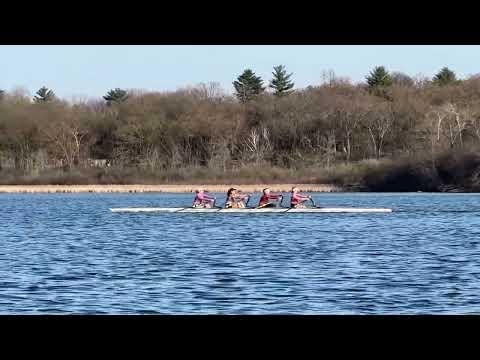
{"type": "Point", "coordinates": [297, 200]}
{"type": "Point", "coordinates": [203, 200]}
{"type": "Point", "coordinates": [266, 197]}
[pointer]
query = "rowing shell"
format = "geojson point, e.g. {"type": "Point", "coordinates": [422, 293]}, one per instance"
{"type": "Point", "coordinates": [264, 210]}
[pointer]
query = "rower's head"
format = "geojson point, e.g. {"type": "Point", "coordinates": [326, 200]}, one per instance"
{"type": "Point", "coordinates": [231, 192]}
{"type": "Point", "coordinates": [295, 189]}
{"type": "Point", "coordinates": [266, 191]}
{"type": "Point", "coordinates": [199, 190]}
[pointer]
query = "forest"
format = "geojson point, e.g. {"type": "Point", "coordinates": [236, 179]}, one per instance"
{"type": "Point", "coordinates": [391, 132]}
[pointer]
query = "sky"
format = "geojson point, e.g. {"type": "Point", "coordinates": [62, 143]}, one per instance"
{"type": "Point", "coordinates": [90, 71]}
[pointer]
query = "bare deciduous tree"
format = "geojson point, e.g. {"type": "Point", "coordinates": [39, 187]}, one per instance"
{"type": "Point", "coordinates": [257, 144]}
{"type": "Point", "coordinates": [378, 123]}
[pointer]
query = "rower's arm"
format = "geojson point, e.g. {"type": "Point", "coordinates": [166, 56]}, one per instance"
{"type": "Point", "coordinates": [208, 197]}
{"type": "Point", "coordinates": [242, 196]}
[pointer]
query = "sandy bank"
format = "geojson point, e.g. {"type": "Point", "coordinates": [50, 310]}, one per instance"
{"type": "Point", "coordinates": [157, 188]}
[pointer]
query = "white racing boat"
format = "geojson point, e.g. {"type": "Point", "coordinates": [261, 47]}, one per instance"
{"type": "Point", "coordinates": [254, 210]}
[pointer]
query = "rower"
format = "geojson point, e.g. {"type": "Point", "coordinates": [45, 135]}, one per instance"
{"type": "Point", "coordinates": [236, 199]}
{"type": "Point", "coordinates": [203, 200]}
{"type": "Point", "coordinates": [266, 197]}
{"type": "Point", "coordinates": [297, 200]}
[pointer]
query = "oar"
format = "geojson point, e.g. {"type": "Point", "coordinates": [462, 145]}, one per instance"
{"type": "Point", "coordinates": [215, 206]}
{"type": "Point", "coordinates": [313, 203]}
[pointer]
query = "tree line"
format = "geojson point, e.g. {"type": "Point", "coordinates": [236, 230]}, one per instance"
{"type": "Point", "coordinates": [390, 115]}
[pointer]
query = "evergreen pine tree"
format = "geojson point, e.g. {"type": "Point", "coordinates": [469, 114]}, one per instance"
{"type": "Point", "coordinates": [281, 83]}
{"type": "Point", "coordinates": [44, 95]}
{"type": "Point", "coordinates": [116, 95]}
{"type": "Point", "coordinates": [2, 94]}
{"type": "Point", "coordinates": [444, 77]}
{"type": "Point", "coordinates": [379, 77]}
{"type": "Point", "coordinates": [247, 86]}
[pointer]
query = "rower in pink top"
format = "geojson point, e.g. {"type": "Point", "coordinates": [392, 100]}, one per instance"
{"type": "Point", "coordinates": [298, 199]}
{"type": "Point", "coordinates": [203, 200]}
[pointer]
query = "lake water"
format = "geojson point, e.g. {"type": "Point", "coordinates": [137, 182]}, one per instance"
{"type": "Point", "coordinates": [68, 254]}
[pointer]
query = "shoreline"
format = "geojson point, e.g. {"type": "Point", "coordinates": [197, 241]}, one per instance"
{"type": "Point", "coordinates": [161, 188]}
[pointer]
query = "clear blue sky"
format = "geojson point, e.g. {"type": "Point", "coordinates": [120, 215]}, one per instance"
{"type": "Point", "coordinates": [92, 70]}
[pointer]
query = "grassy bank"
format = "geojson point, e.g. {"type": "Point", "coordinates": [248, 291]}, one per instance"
{"type": "Point", "coordinates": [447, 172]}
{"type": "Point", "coordinates": [157, 188]}
{"type": "Point", "coordinates": [181, 176]}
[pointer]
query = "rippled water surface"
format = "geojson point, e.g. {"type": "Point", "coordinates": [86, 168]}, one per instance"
{"type": "Point", "coordinates": [67, 253]}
